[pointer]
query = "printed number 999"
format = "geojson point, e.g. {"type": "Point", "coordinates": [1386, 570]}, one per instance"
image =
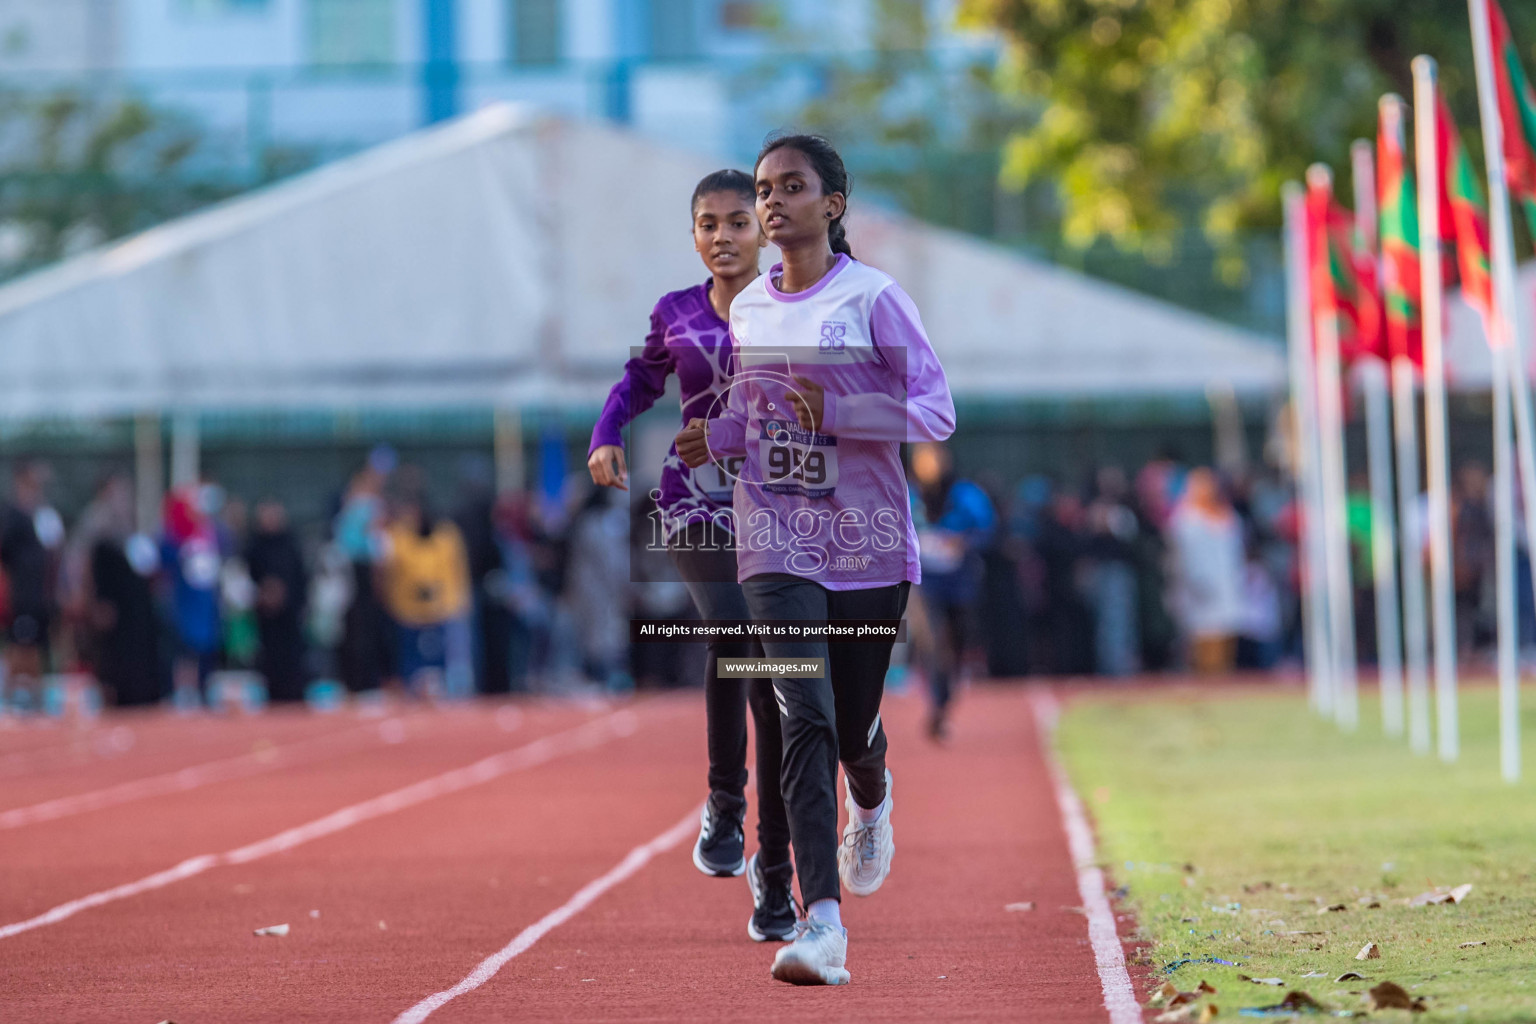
{"type": "Point", "coordinates": [808, 466]}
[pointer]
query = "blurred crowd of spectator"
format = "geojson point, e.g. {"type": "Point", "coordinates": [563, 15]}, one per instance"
{"type": "Point", "coordinates": [1171, 567]}
{"type": "Point", "coordinates": [402, 591]}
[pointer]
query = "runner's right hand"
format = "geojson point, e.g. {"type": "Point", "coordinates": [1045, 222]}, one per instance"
{"type": "Point", "coordinates": [606, 464]}
{"type": "Point", "coordinates": [692, 445]}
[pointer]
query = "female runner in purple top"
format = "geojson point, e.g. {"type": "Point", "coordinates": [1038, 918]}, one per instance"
{"type": "Point", "coordinates": [833, 373]}
{"type": "Point", "coordinates": [690, 337]}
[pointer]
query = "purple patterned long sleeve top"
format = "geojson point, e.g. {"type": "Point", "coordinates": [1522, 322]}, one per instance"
{"type": "Point", "coordinates": [688, 338]}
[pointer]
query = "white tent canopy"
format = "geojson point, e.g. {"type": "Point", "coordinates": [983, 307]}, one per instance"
{"type": "Point", "coordinates": [512, 259]}
{"type": "Point", "coordinates": [1468, 363]}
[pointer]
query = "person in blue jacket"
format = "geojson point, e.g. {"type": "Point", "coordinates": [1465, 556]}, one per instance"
{"type": "Point", "coordinates": [954, 519]}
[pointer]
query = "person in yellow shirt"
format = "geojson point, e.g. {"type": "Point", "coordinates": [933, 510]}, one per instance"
{"type": "Point", "coordinates": [425, 583]}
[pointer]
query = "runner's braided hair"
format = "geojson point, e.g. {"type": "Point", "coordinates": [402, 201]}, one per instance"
{"type": "Point", "coordinates": [828, 167]}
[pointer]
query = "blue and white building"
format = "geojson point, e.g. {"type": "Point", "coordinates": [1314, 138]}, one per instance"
{"type": "Point", "coordinates": [335, 75]}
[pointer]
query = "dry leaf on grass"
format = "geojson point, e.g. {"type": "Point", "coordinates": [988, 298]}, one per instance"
{"type": "Point", "coordinates": [1391, 996]}
{"type": "Point", "coordinates": [1166, 991]}
{"type": "Point", "coordinates": [1261, 981]}
{"type": "Point", "coordinates": [1027, 905]}
{"type": "Point", "coordinates": [1369, 951]}
{"type": "Point", "coordinates": [276, 929]}
{"type": "Point", "coordinates": [1438, 896]}
{"type": "Point", "coordinates": [1332, 908]}
{"type": "Point", "coordinates": [1168, 995]}
{"type": "Point", "coordinates": [1189, 1014]}
{"type": "Point", "coordinates": [1349, 976]}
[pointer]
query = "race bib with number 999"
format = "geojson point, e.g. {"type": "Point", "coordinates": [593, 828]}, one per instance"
{"type": "Point", "coordinates": [797, 461]}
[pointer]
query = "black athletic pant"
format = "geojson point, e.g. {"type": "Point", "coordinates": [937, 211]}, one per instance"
{"type": "Point", "coordinates": [947, 620]}
{"type": "Point", "coordinates": [829, 719]}
{"type": "Point", "coordinates": [710, 574]}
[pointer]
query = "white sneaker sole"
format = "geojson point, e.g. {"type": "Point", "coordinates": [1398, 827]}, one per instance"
{"type": "Point", "coordinates": [845, 857]}
{"type": "Point", "coordinates": [871, 887]}
{"type": "Point", "coordinates": [797, 972]}
{"type": "Point", "coordinates": [757, 936]}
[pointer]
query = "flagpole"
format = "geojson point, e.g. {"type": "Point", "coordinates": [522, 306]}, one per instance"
{"type": "Point", "coordinates": [1406, 435]}
{"type": "Point", "coordinates": [1378, 439]}
{"type": "Point", "coordinates": [1415, 638]}
{"type": "Point", "coordinates": [1507, 626]}
{"type": "Point", "coordinates": [1437, 458]}
{"type": "Point", "coordinates": [1314, 584]}
{"type": "Point", "coordinates": [1509, 374]}
{"type": "Point", "coordinates": [1341, 604]}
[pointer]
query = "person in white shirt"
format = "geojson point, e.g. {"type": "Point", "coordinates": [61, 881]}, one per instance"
{"type": "Point", "coordinates": [1207, 541]}
{"type": "Point", "coordinates": [833, 373]}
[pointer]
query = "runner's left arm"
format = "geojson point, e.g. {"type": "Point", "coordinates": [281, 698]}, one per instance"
{"type": "Point", "coordinates": [644, 381]}
{"type": "Point", "coordinates": [926, 412]}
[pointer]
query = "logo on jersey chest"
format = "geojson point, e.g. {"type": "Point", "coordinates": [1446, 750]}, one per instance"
{"type": "Point", "coordinates": [834, 336]}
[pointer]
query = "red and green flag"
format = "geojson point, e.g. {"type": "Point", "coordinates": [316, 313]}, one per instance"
{"type": "Point", "coordinates": [1400, 281]}
{"type": "Point", "coordinates": [1342, 274]}
{"type": "Point", "coordinates": [1464, 215]}
{"type": "Point", "coordinates": [1517, 112]}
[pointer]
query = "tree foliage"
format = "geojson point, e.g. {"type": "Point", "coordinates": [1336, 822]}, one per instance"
{"type": "Point", "coordinates": [919, 123]}
{"type": "Point", "coordinates": [1154, 115]}
{"type": "Point", "coordinates": [81, 168]}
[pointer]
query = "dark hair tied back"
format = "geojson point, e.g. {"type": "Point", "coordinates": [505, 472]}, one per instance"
{"type": "Point", "coordinates": [728, 180]}
{"type": "Point", "coordinates": [828, 165]}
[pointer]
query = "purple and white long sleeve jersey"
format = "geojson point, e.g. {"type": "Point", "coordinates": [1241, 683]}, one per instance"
{"type": "Point", "coordinates": [830, 505]}
{"type": "Point", "coordinates": [688, 338]}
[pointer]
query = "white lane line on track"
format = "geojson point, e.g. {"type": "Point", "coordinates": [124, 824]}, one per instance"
{"type": "Point", "coordinates": [335, 744]}
{"type": "Point", "coordinates": [585, 897]}
{"type": "Point", "coordinates": [584, 737]}
{"type": "Point", "coordinates": [1108, 953]}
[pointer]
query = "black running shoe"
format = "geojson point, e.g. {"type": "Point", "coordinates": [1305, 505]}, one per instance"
{"type": "Point", "coordinates": [773, 902]}
{"type": "Point", "coordinates": [721, 849]}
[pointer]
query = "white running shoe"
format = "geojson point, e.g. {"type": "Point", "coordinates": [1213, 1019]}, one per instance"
{"type": "Point", "coordinates": [816, 957]}
{"type": "Point", "coordinates": [864, 858]}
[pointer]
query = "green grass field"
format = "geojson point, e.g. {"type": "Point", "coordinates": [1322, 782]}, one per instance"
{"type": "Point", "coordinates": [1234, 819]}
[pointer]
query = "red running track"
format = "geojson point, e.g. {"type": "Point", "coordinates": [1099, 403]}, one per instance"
{"type": "Point", "coordinates": [398, 898]}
